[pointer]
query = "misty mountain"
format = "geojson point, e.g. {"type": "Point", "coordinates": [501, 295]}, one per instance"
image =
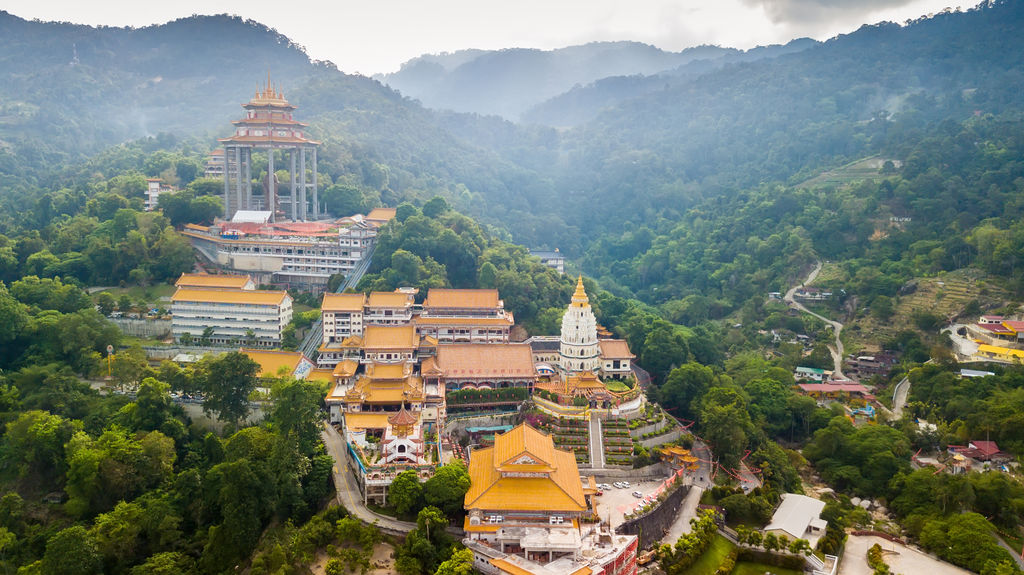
{"type": "Point", "coordinates": [509, 82]}
{"type": "Point", "coordinates": [583, 103]}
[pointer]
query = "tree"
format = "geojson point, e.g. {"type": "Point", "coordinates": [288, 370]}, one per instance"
{"type": "Point", "coordinates": [72, 552]}
{"type": "Point", "coordinates": [447, 489]}
{"type": "Point", "coordinates": [124, 303]}
{"type": "Point", "coordinates": [129, 367]}
{"type": "Point", "coordinates": [106, 303]}
{"type": "Point", "coordinates": [460, 563]}
{"type": "Point", "coordinates": [683, 385]}
{"type": "Point", "coordinates": [34, 442]}
{"type": "Point", "coordinates": [435, 207]}
{"type": "Point", "coordinates": [405, 492]}
{"type": "Point", "coordinates": [296, 412]}
{"type": "Point", "coordinates": [726, 424]}
{"type": "Point", "coordinates": [166, 563]}
{"type": "Point", "coordinates": [771, 542]}
{"type": "Point", "coordinates": [227, 382]}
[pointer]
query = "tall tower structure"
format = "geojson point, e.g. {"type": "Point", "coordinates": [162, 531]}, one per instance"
{"type": "Point", "coordinates": [578, 347]}
{"type": "Point", "coordinates": [268, 126]}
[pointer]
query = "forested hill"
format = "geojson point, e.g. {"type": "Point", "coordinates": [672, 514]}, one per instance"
{"type": "Point", "coordinates": [509, 82]}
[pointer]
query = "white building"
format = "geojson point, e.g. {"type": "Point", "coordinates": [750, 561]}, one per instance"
{"type": "Point", "coordinates": [579, 350]}
{"type": "Point", "coordinates": [342, 316]}
{"type": "Point", "coordinates": [155, 187]}
{"type": "Point", "coordinates": [232, 314]}
{"type": "Point", "coordinates": [465, 316]}
{"type": "Point", "coordinates": [798, 517]}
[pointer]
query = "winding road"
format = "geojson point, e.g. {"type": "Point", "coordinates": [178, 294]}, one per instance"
{"type": "Point", "coordinates": [837, 348]}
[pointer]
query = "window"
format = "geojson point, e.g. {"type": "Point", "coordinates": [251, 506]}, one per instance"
{"type": "Point", "coordinates": [495, 519]}
{"type": "Point", "coordinates": [556, 520]}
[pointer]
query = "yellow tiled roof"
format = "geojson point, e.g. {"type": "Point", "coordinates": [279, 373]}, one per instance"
{"type": "Point", "coordinates": [389, 299]}
{"type": "Point", "coordinates": [386, 371]}
{"type": "Point", "coordinates": [350, 302]}
{"type": "Point", "coordinates": [377, 337]}
{"type": "Point", "coordinates": [346, 368]}
{"type": "Point", "coordinates": [461, 298]}
{"type": "Point", "coordinates": [381, 214]}
{"type": "Point", "coordinates": [321, 375]}
{"type": "Point", "coordinates": [212, 281]}
{"type": "Point", "coordinates": [366, 420]}
{"type": "Point", "coordinates": [558, 489]}
{"type": "Point", "coordinates": [256, 297]}
{"type": "Point", "coordinates": [510, 568]}
{"type": "Point", "coordinates": [271, 361]}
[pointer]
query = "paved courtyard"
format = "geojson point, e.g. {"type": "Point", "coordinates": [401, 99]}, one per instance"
{"type": "Point", "coordinates": [615, 502]}
{"type": "Point", "coordinates": [901, 559]}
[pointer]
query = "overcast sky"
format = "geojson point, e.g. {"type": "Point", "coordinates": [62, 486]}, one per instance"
{"type": "Point", "coordinates": [371, 36]}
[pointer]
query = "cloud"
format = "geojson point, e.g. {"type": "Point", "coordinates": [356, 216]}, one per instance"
{"type": "Point", "coordinates": [819, 11]}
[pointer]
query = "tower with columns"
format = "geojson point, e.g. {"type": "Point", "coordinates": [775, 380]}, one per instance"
{"type": "Point", "coordinates": [267, 127]}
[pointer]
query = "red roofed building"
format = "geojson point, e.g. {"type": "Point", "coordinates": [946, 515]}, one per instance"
{"type": "Point", "coordinates": [981, 451]}
{"type": "Point", "coordinates": [470, 366]}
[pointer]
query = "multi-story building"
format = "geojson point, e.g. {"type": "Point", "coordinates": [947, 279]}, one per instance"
{"type": "Point", "coordinates": [524, 509]}
{"type": "Point", "coordinates": [251, 317]}
{"type": "Point", "coordinates": [465, 316]}
{"type": "Point", "coordinates": [341, 315]}
{"type": "Point", "coordinates": [214, 164]}
{"type": "Point", "coordinates": [554, 260]}
{"type": "Point", "coordinates": [154, 188]}
{"type": "Point", "coordinates": [293, 254]}
{"type": "Point", "coordinates": [389, 308]}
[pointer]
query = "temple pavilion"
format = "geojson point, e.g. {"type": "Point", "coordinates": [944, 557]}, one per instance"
{"type": "Point", "coordinates": [268, 126]}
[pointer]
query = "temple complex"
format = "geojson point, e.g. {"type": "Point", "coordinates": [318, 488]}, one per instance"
{"type": "Point", "coordinates": [268, 126]}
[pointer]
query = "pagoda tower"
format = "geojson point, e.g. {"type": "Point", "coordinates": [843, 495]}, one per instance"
{"type": "Point", "coordinates": [268, 126]}
{"type": "Point", "coordinates": [578, 349]}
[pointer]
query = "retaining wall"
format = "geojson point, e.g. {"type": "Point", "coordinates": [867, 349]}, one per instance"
{"type": "Point", "coordinates": [651, 526]}
{"type": "Point", "coordinates": [143, 327]}
{"type": "Point", "coordinates": [659, 439]}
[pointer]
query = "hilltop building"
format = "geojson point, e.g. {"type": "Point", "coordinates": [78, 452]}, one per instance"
{"type": "Point", "coordinates": [268, 126]}
{"type": "Point", "coordinates": [524, 509]}
{"type": "Point", "coordinates": [554, 260]}
{"type": "Point", "coordinates": [465, 316]}
{"type": "Point", "coordinates": [214, 164]}
{"type": "Point", "coordinates": [215, 281]}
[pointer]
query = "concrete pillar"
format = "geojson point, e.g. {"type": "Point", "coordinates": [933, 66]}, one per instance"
{"type": "Point", "coordinates": [271, 188]}
{"type": "Point", "coordinates": [238, 179]}
{"type": "Point", "coordinates": [248, 177]}
{"type": "Point", "coordinates": [291, 176]}
{"type": "Point", "coordinates": [227, 183]}
{"type": "Point", "coordinates": [302, 182]}
{"type": "Point", "coordinates": [316, 201]}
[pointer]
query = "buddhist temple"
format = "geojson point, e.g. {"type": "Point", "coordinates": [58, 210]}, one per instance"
{"type": "Point", "coordinates": [268, 126]}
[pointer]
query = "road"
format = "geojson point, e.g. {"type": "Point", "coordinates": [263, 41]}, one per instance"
{"type": "Point", "coordinates": [966, 348]}
{"type": "Point", "coordinates": [901, 559]}
{"type": "Point", "coordinates": [837, 348]}
{"type": "Point", "coordinates": [687, 511]}
{"type": "Point", "coordinates": [899, 397]}
{"type": "Point", "coordinates": [348, 491]}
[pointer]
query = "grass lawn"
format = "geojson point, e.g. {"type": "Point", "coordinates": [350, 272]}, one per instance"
{"type": "Point", "coordinates": [712, 558]}
{"type": "Point", "coordinates": [616, 386]}
{"type": "Point", "coordinates": [747, 568]}
{"type": "Point", "coordinates": [151, 294]}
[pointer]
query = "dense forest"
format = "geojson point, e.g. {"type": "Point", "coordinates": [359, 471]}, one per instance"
{"type": "Point", "coordinates": [686, 196]}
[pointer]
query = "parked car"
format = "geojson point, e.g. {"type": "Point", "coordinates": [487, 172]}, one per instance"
{"type": "Point", "coordinates": [638, 495]}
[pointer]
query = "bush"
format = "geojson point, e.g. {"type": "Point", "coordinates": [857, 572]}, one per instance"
{"type": "Point", "coordinates": [794, 562]}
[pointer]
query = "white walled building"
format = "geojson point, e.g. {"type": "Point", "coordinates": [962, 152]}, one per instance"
{"type": "Point", "coordinates": [232, 313]}
{"type": "Point", "coordinates": [155, 187]}
{"type": "Point", "coordinates": [342, 316]}
{"type": "Point", "coordinates": [465, 316]}
{"type": "Point", "coordinates": [579, 349]}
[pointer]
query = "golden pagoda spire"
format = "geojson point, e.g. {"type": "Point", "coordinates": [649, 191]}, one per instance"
{"type": "Point", "coordinates": [579, 298]}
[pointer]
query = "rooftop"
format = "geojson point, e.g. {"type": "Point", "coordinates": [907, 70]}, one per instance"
{"type": "Point", "coordinates": [389, 299]}
{"type": "Point", "coordinates": [272, 361]}
{"type": "Point", "coordinates": [382, 215]}
{"type": "Point", "coordinates": [491, 360]}
{"type": "Point", "coordinates": [795, 514]}
{"type": "Point", "coordinates": [378, 337]}
{"type": "Point", "coordinates": [462, 298]}
{"type": "Point", "coordinates": [350, 302]}
{"type": "Point", "coordinates": [615, 349]}
{"type": "Point", "coordinates": [213, 281]}
{"type": "Point", "coordinates": [229, 296]}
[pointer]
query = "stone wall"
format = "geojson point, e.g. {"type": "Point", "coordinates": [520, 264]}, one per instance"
{"type": "Point", "coordinates": [143, 327]}
{"type": "Point", "coordinates": [651, 526]}
{"type": "Point", "coordinates": [656, 471]}
{"type": "Point", "coordinates": [659, 439]}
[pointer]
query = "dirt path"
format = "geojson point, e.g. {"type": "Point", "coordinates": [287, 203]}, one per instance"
{"type": "Point", "coordinates": [837, 348]}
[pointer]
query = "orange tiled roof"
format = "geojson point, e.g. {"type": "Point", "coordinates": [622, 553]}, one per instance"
{"type": "Point", "coordinates": [491, 360]}
{"type": "Point", "coordinates": [256, 297]}
{"type": "Point", "coordinates": [383, 371]}
{"type": "Point", "coordinates": [321, 375]}
{"type": "Point", "coordinates": [615, 349]}
{"type": "Point", "coordinates": [403, 417]}
{"type": "Point", "coordinates": [377, 337]}
{"type": "Point", "coordinates": [389, 299]}
{"type": "Point", "coordinates": [346, 368]}
{"type": "Point", "coordinates": [559, 489]}
{"type": "Point", "coordinates": [271, 361]}
{"type": "Point", "coordinates": [212, 281]}
{"type": "Point", "coordinates": [350, 302]}
{"type": "Point", "coordinates": [461, 298]}
{"type": "Point", "coordinates": [381, 214]}
{"type": "Point", "coordinates": [356, 420]}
